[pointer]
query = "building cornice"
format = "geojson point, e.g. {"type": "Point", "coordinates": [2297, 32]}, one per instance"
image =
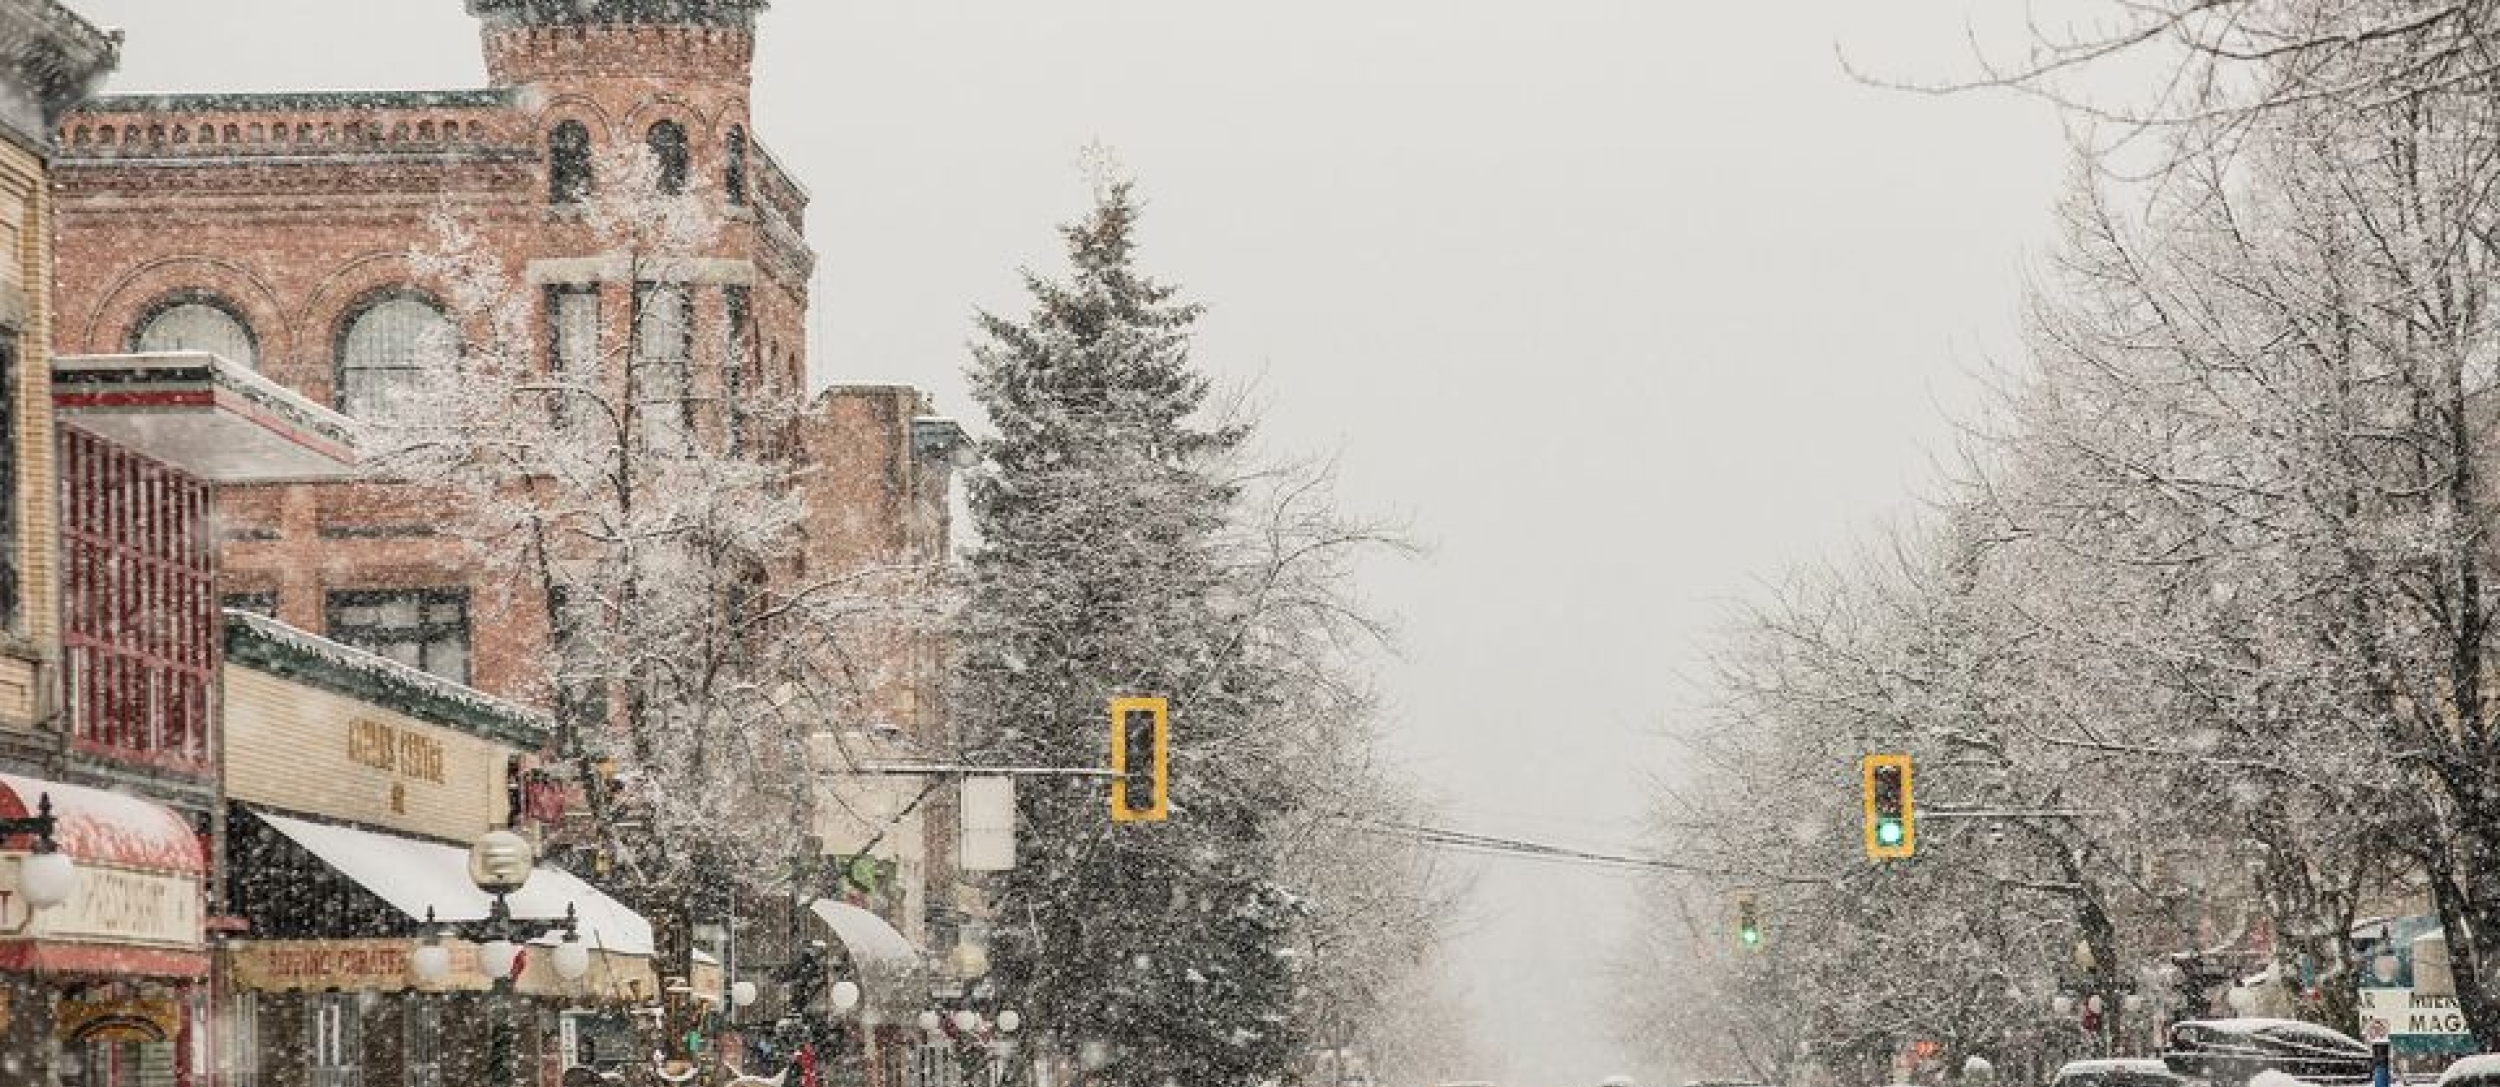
{"type": "Point", "coordinates": [50, 61]}
{"type": "Point", "coordinates": [739, 14]}
{"type": "Point", "coordinates": [268, 646]}
{"type": "Point", "coordinates": [303, 101]}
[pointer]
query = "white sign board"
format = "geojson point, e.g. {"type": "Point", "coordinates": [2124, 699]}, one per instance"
{"type": "Point", "coordinates": [121, 906]}
{"type": "Point", "coordinates": [989, 825]}
{"type": "Point", "coordinates": [2395, 1012]}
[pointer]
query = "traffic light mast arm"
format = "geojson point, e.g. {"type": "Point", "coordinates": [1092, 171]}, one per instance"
{"type": "Point", "coordinates": [967, 770]}
{"type": "Point", "coordinates": [1926, 812]}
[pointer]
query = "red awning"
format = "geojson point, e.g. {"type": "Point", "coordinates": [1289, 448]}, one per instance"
{"type": "Point", "coordinates": [107, 828]}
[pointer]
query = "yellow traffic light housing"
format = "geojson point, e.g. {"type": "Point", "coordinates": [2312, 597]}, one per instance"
{"type": "Point", "coordinates": [1891, 812]}
{"type": "Point", "coordinates": [1141, 760]}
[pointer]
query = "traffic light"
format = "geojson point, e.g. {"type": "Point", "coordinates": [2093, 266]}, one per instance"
{"type": "Point", "coordinates": [1891, 814]}
{"type": "Point", "coordinates": [1748, 924]}
{"type": "Point", "coordinates": [1141, 760]}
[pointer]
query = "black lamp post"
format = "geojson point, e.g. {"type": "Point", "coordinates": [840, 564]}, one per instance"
{"type": "Point", "coordinates": [499, 864]}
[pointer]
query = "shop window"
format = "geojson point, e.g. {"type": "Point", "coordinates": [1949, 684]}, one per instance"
{"type": "Point", "coordinates": [663, 372]}
{"type": "Point", "coordinates": [197, 323]}
{"type": "Point", "coordinates": [421, 1042]}
{"type": "Point", "coordinates": [385, 347]}
{"type": "Point", "coordinates": [734, 171]}
{"type": "Point", "coordinates": [669, 152]}
{"type": "Point", "coordinates": [568, 163]}
{"type": "Point", "coordinates": [334, 1054]}
{"type": "Point", "coordinates": [124, 1063]}
{"type": "Point", "coordinates": [425, 629]}
{"type": "Point", "coordinates": [263, 604]}
{"type": "Point", "coordinates": [238, 1048]}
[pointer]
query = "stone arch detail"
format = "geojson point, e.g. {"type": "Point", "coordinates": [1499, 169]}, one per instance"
{"type": "Point", "coordinates": [107, 327]}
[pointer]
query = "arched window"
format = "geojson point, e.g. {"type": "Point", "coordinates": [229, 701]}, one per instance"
{"type": "Point", "coordinates": [568, 163]}
{"type": "Point", "coordinates": [384, 347]}
{"type": "Point", "coordinates": [197, 323]}
{"type": "Point", "coordinates": [668, 148]}
{"type": "Point", "coordinates": [734, 175]}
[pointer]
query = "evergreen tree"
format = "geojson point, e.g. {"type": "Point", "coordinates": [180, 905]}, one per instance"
{"type": "Point", "coordinates": [1108, 568]}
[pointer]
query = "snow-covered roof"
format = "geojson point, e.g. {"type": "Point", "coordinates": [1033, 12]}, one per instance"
{"type": "Point", "coordinates": [267, 645]}
{"type": "Point", "coordinates": [414, 876]}
{"type": "Point", "coordinates": [204, 414]}
{"type": "Point", "coordinates": [300, 101]}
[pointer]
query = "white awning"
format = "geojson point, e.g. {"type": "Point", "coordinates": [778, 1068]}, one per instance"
{"type": "Point", "coordinates": [872, 942]}
{"type": "Point", "coordinates": [414, 876]}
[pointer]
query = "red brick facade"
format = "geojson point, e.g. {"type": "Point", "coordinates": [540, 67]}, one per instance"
{"type": "Point", "coordinates": [293, 212]}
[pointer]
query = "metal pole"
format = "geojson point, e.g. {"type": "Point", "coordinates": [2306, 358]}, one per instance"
{"type": "Point", "coordinates": [503, 1035]}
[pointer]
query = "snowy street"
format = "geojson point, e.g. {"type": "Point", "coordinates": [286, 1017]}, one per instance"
{"type": "Point", "coordinates": [1056, 543]}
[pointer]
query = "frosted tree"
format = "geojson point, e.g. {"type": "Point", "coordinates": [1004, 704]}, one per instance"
{"type": "Point", "coordinates": [1126, 550]}
{"type": "Point", "coordinates": [688, 625]}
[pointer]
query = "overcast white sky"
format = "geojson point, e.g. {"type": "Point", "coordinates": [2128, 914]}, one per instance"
{"type": "Point", "coordinates": [1622, 303]}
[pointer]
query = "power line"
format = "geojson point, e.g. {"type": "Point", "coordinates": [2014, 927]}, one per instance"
{"type": "Point", "coordinates": [1495, 845]}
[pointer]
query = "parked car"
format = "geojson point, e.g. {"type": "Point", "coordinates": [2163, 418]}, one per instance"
{"type": "Point", "coordinates": [2479, 1070]}
{"type": "Point", "coordinates": [2118, 1073]}
{"type": "Point", "coordinates": [2230, 1051]}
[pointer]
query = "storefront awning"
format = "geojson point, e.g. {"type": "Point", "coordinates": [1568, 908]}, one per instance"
{"type": "Point", "coordinates": [137, 909]}
{"type": "Point", "coordinates": [890, 970]}
{"type": "Point", "coordinates": [873, 944]}
{"type": "Point", "coordinates": [108, 828]}
{"type": "Point", "coordinates": [414, 876]}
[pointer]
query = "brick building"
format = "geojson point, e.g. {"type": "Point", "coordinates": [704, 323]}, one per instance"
{"type": "Point", "coordinates": [273, 230]}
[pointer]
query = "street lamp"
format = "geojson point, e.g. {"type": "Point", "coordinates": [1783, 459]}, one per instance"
{"type": "Point", "coordinates": [499, 863]}
{"type": "Point", "coordinates": [47, 876]}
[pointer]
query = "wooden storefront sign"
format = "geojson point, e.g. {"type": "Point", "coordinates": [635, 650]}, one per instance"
{"type": "Point", "coordinates": [381, 965]}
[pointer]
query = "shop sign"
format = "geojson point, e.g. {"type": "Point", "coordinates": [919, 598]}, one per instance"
{"type": "Point", "coordinates": [281, 965]}
{"type": "Point", "coordinates": [117, 906]}
{"type": "Point", "coordinates": [2404, 1011]}
{"type": "Point", "coordinates": [382, 965]}
{"type": "Point", "coordinates": [400, 751]}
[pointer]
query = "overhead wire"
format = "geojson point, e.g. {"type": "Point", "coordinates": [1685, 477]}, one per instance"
{"type": "Point", "coordinates": [1498, 845]}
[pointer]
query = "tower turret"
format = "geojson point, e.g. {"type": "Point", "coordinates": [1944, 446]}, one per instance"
{"type": "Point", "coordinates": [539, 41]}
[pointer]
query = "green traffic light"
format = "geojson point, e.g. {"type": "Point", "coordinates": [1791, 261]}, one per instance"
{"type": "Point", "coordinates": [1751, 937]}
{"type": "Point", "coordinates": [1888, 832]}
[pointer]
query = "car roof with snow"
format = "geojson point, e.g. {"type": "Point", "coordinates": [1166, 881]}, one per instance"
{"type": "Point", "coordinates": [2478, 1066]}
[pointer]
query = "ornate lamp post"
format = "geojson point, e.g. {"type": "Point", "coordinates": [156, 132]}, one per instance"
{"type": "Point", "coordinates": [499, 863]}
{"type": "Point", "coordinates": [47, 876]}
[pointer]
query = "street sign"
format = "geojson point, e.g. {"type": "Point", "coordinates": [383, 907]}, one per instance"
{"type": "Point", "coordinates": [2414, 1023]}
